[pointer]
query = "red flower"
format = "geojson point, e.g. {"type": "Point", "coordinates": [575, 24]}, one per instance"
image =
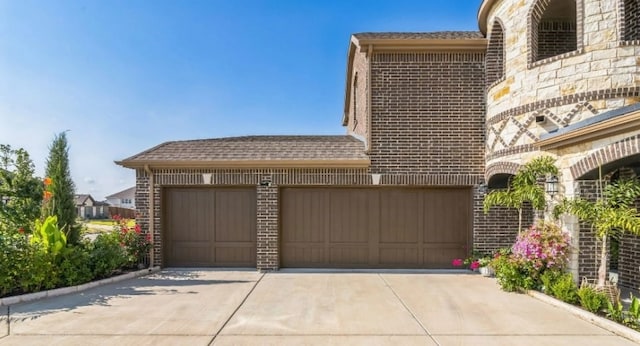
{"type": "Point", "coordinates": [474, 265]}
{"type": "Point", "coordinates": [21, 230]}
{"type": "Point", "coordinates": [148, 236]}
{"type": "Point", "coordinates": [138, 229]}
{"type": "Point", "coordinates": [457, 262]}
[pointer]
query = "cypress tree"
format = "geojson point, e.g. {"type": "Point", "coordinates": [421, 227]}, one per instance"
{"type": "Point", "coordinates": [61, 202]}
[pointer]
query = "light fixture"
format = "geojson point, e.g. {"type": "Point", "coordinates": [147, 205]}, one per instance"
{"type": "Point", "coordinates": [375, 178]}
{"type": "Point", "coordinates": [483, 188]}
{"type": "Point", "coordinates": [551, 185]}
{"type": "Point", "coordinates": [206, 178]}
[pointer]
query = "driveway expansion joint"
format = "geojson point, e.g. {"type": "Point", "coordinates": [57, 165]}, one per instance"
{"type": "Point", "coordinates": [409, 310]}
{"type": "Point", "coordinates": [262, 274]}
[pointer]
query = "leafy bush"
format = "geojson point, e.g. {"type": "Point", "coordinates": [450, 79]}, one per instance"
{"type": "Point", "coordinates": [107, 255]}
{"type": "Point", "coordinates": [136, 244]}
{"type": "Point", "coordinates": [75, 266]}
{"type": "Point", "coordinates": [538, 249]}
{"type": "Point", "coordinates": [592, 300]}
{"type": "Point", "coordinates": [560, 285]}
{"type": "Point", "coordinates": [511, 275]}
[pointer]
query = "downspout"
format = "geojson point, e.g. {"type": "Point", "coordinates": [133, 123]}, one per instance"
{"type": "Point", "coordinates": [369, 120]}
{"type": "Point", "coordinates": [151, 215]}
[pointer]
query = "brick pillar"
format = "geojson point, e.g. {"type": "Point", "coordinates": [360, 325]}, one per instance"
{"type": "Point", "coordinates": [267, 225]}
{"type": "Point", "coordinates": [588, 245]}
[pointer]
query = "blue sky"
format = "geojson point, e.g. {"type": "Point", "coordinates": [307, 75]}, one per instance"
{"type": "Point", "coordinates": [125, 75]}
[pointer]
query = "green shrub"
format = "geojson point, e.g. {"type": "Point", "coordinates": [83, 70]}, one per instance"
{"type": "Point", "coordinates": [75, 266]}
{"type": "Point", "coordinates": [36, 270]}
{"type": "Point", "coordinates": [13, 247]}
{"type": "Point", "coordinates": [107, 255]}
{"type": "Point", "coordinates": [592, 300]}
{"type": "Point", "coordinates": [511, 274]}
{"type": "Point", "coordinates": [564, 288]}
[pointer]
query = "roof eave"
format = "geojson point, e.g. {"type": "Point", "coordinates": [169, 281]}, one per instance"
{"type": "Point", "coordinates": [350, 163]}
{"type": "Point", "coordinates": [483, 14]}
{"type": "Point", "coordinates": [430, 44]}
{"type": "Point", "coordinates": [627, 123]}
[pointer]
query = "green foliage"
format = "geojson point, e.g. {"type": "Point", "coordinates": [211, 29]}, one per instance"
{"type": "Point", "coordinates": [19, 188]}
{"type": "Point", "coordinates": [62, 201]}
{"type": "Point", "coordinates": [609, 216]}
{"type": "Point", "coordinates": [615, 311]}
{"type": "Point", "coordinates": [632, 317]}
{"type": "Point", "coordinates": [524, 187]}
{"type": "Point", "coordinates": [560, 285]}
{"type": "Point", "coordinates": [107, 255]}
{"type": "Point", "coordinates": [511, 275]}
{"type": "Point", "coordinates": [48, 235]}
{"type": "Point", "coordinates": [75, 266]}
{"type": "Point", "coordinates": [592, 300]}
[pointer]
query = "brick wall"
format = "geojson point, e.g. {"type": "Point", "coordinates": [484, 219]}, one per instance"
{"type": "Point", "coordinates": [427, 113]}
{"type": "Point", "coordinates": [589, 247]}
{"type": "Point", "coordinates": [357, 118]}
{"type": "Point", "coordinates": [267, 226]}
{"type": "Point", "coordinates": [498, 228]}
{"type": "Point", "coordinates": [631, 20]}
{"type": "Point", "coordinates": [495, 55]}
{"type": "Point", "coordinates": [629, 261]}
{"type": "Point", "coordinates": [555, 38]}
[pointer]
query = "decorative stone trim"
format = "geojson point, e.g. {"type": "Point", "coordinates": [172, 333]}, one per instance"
{"type": "Point", "coordinates": [500, 168]}
{"type": "Point", "coordinates": [525, 148]}
{"type": "Point", "coordinates": [602, 94]}
{"type": "Point", "coordinates": [615, 151]}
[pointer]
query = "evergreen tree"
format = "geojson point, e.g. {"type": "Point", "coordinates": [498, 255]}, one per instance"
{"type": "Point", "coordinates": [60, 199]}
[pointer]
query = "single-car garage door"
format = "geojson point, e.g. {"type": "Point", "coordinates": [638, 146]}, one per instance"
{"type": "Point", "coordinates": [210, 227]}
{"type": "Point", "coordinates": [374, 227]}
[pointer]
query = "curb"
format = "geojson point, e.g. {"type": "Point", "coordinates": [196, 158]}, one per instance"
{"type": "Point", "coordinates": [601, 322]}
{"type": "Point", "coordinates": [73, 289]}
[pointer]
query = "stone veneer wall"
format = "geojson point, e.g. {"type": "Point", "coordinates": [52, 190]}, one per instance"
{"type": "Point", "coordinates": [600, 74]}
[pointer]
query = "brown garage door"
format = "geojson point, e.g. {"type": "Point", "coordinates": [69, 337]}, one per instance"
{"type": "Point", "coordinates": [374, 228]}
{"type": "Point", "coordinates": [210, 227]}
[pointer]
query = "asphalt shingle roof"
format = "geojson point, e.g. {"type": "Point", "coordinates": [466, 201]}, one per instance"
{"type": "Point", "coordinates": [443, 35]}
{"type": "Point", "coordinates": [258, 148]}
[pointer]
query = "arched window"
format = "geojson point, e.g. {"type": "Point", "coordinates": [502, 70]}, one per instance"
{"type": "Point", "coordinates": [553, 28]}
{"type": "Point", "coordinates": [631, 24]}
{"type": "Point", "coordinates": [495, 54]}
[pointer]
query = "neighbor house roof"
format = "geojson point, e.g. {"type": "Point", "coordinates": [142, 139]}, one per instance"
{"type": "Point", "coordinates": [82, 199]}
{"type": "Point", "coordinates": [437, 41]}
{"type": "Point", "coordinates": [255, 151]}
{"type": "Point", "coordinates": [123, 194]}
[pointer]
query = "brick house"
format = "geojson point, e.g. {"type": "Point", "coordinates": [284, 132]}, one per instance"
{"type": "Point", "coordinates": [431, 120]}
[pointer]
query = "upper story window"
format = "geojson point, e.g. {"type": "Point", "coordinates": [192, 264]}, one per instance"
{"type": "Point", "coordinates": [631, 20]}
{"type": "Point", "coordinates": [553, 28]}
{"type": "Point", "coordinates": [495, 54]}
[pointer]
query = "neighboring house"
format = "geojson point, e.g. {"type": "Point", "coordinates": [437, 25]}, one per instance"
{"type": "Point", "coordinates": [123, 199]}
{"type": "Point", "coordinates": [88, 208]}
{"type": "Point", "coordinates": [432, 120]}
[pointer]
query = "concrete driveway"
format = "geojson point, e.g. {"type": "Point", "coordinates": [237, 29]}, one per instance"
{"type": "Point", "coordinates": [202, 307]}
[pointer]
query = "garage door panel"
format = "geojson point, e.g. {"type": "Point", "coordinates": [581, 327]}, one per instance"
{"type": "Point", "coordinates": [235, 217]}
{"type": "Point", "coordinates": [209, 226]}
{"type": "Point", "coordinates": [402, 257]}
{"type": "Point", "coordinates": [400, 217]}
{"type": "Point", "coordinates": [374, 227]}
{"type": "Point", "coordinates": [349, 216]}
{"type": "Point", "coordinates": [357, 256]}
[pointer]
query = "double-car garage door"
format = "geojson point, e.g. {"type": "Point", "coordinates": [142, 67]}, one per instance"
{"type": "Point", "coordinates": [321, 227]}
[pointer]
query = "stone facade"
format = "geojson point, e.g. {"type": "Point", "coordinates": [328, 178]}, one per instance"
{"type": "Point", "coordinates": [565, 62]}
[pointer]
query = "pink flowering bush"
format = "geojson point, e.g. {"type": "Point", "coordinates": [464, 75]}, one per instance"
{"type": "Point", "coordinates": [543, 246]}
